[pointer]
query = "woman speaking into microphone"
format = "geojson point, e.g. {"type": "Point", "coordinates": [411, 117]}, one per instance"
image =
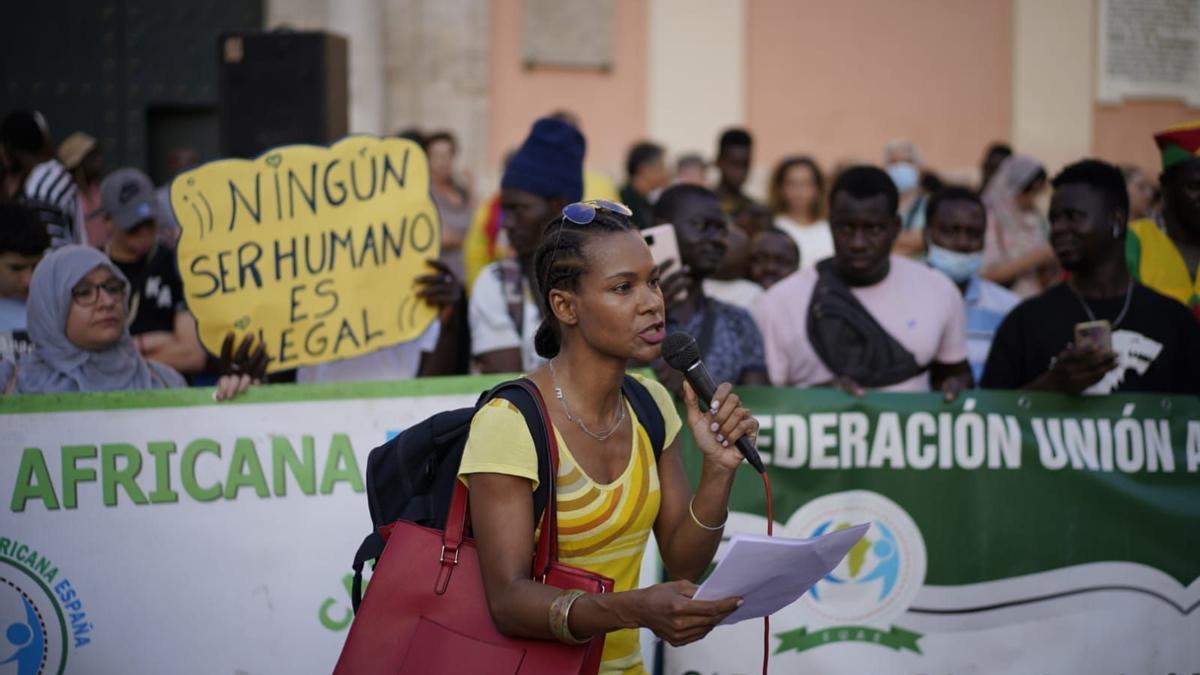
{"type": "Point", "coordinates": [602, 307]}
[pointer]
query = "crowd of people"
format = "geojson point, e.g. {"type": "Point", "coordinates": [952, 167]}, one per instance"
{"type": "Point", "coordinates": [91, 297]}
{"type": "Point", "coordinates": [867, 277]}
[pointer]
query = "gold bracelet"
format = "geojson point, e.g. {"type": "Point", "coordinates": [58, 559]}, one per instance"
{"type": "Point", "coordinates": [560, 611]}
{"type": "Point", "coordinates": [701, 525]}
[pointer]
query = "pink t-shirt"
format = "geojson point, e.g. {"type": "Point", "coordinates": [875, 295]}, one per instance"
{"type": "Point", "coordinates": [920, 307]}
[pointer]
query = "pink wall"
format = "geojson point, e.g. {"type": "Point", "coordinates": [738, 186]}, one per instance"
{"type": "Point", "coordinates": [1125, 133]}
{"type": "Point", "coordinates": [840, 79]}
{"type": "Point", "coordinates": [611, 105]}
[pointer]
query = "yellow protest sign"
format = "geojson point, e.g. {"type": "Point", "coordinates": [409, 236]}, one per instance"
{"type": "Point", "coordinates": [313, 249]}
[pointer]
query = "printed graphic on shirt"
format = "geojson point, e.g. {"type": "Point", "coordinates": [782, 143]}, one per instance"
{"type": "Point", "coordinates": [14, 344]}
{"type": "Point", "coordinates": [158, 293]}
{"type": "Point", "coordinates": [1134, 352]}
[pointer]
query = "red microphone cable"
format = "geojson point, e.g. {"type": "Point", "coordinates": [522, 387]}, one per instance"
{"type": "Point", "coordinates": [770, 533]}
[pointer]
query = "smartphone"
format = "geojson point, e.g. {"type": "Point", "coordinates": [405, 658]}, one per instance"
{"type": "Point", "coordinates": [1094, 336]}
{"type": "Point", "coordinates": [664, 248]}
{"type": "Point", "coordinates": [662, 243]}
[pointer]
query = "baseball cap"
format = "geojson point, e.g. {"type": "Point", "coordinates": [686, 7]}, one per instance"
{"type": "Point", "coordinates": [128, 197]}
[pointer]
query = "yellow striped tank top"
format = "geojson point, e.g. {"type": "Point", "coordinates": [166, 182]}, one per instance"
{"type": "Point", "coordinates": [601, 527]}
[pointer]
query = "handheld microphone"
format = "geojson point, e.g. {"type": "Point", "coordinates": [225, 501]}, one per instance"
{"type": "Point", "coordinates": [681, 352]}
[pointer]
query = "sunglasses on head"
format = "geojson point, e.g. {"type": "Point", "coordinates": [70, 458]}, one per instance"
{"type": "Point", "coordinates": [582, 213]}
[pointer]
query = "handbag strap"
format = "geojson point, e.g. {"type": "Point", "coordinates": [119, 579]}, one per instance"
{"type": "Point", "coordinates": [460, 510]}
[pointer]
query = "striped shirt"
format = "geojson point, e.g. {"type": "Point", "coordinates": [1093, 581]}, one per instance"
{"type": "Point", "coordinates": [602, 527]}
{"type": "Point", "coordinates": [51, 190]}
{"type": "Point", "coordinates": [987, 304]}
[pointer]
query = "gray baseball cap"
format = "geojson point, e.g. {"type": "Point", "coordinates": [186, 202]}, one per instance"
{"type": "Point", "coordinates": [128, 197]}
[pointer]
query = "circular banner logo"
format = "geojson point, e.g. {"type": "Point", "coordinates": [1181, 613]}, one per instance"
{"type": "Point", "coordinates": [33, 631]}
{"type": "Point", "coordinates": [881, 576]}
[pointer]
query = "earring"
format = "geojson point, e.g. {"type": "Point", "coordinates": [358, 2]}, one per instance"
{"type": "Point", "coordinates": [1116, 231]}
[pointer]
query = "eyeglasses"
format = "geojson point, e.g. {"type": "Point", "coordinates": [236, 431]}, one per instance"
{"type": "Point", "coordinates": [582, 213]}
{"type": "Point", "coordinates": [86, 295]}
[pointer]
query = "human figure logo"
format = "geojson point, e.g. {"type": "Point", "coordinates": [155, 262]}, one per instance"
{"type": "Point", "coordinates": [875, 583]}
{"type": "Point", "coordinates": [25, 637]}
{"type": "Point", "coordinates": [42, 616]}
{"type": "Point", "coordinates": [885, 563]}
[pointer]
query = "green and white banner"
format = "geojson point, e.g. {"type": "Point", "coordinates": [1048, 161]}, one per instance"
{"type": "Point", "coordinates": [160, 532]}
{"type": "Point", "coordinates": [1009, 533]}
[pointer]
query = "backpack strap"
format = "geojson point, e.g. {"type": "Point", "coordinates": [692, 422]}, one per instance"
{"type": "Point", "coordinates": [517, 393]}
{"type": "Point", "coordinates": [456, 522]}
{"type": "Point", "coordinates": [370, 549]}
{"type": "Point", "coordinates": [648, 413]}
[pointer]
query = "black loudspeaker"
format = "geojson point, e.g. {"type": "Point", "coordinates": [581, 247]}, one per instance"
{"type": "Point", "coordinates": [281, 88]}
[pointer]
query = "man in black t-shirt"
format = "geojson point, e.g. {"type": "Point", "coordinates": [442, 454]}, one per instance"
{"type": "Point", "coordinates": [161, 325]}
{"type": "Point", "coordinates": [1155, 343]}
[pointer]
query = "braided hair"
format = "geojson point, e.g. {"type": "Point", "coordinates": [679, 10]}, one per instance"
{"type": "Point", "coordinates": [560, 262]}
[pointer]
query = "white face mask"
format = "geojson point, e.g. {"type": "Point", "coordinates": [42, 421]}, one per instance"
{"type": "Point", "coordinates": [958, 266]}
{"type": "Point", "coordinates": [905, 175]}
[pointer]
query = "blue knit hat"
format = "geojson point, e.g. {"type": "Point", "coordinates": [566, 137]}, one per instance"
{"type": "Point", "coordinates": [549, 163]}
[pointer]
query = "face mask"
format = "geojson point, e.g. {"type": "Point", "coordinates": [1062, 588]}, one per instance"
{"type": "Point", "coordinates": [904, 175]}
{"type": "Point", "coordinates": [957, 266]}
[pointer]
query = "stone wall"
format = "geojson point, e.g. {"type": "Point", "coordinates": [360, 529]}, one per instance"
{"type": "Point", "coordinates": [419, 63]}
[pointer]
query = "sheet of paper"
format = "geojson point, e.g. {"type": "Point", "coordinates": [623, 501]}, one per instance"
{"type": "Point", "coordinates": [770, 573]}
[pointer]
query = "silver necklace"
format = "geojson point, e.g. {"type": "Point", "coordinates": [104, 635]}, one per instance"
{"type": "Point", "coordinates": [1092, 317]}
{"type": "Point", "coordinates": [602, 436]}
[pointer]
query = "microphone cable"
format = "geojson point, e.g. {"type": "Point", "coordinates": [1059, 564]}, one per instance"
{"type": "Point", "coordinates": [682, 353]}
{"type": "Point", "coordinates": [770, 533]}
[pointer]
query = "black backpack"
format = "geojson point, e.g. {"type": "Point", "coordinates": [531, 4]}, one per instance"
{"type": "Point", "coordinates": [412, 476]}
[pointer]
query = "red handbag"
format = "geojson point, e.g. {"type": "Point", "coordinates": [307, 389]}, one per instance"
{"type": "Point", "coordinates": [425, 610]}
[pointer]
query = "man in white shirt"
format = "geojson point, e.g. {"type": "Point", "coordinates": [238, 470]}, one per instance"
{"type": "Point", "coordinates": [542, 177]}
{"type": "Point", "coordinates": [865, 318]}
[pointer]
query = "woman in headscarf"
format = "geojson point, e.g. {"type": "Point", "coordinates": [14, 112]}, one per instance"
{"type": "Point", "coordinates": [77, 321]}
{"type": "Point", "coordinates": [1016, 250]}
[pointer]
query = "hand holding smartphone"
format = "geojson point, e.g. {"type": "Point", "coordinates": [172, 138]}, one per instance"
{"type": "Point", "coordinates": [663, 245]}
{"type": "Point", "coordinates": [665, 249]}
{"type": "Point", "coordinates": [1095, 336]}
